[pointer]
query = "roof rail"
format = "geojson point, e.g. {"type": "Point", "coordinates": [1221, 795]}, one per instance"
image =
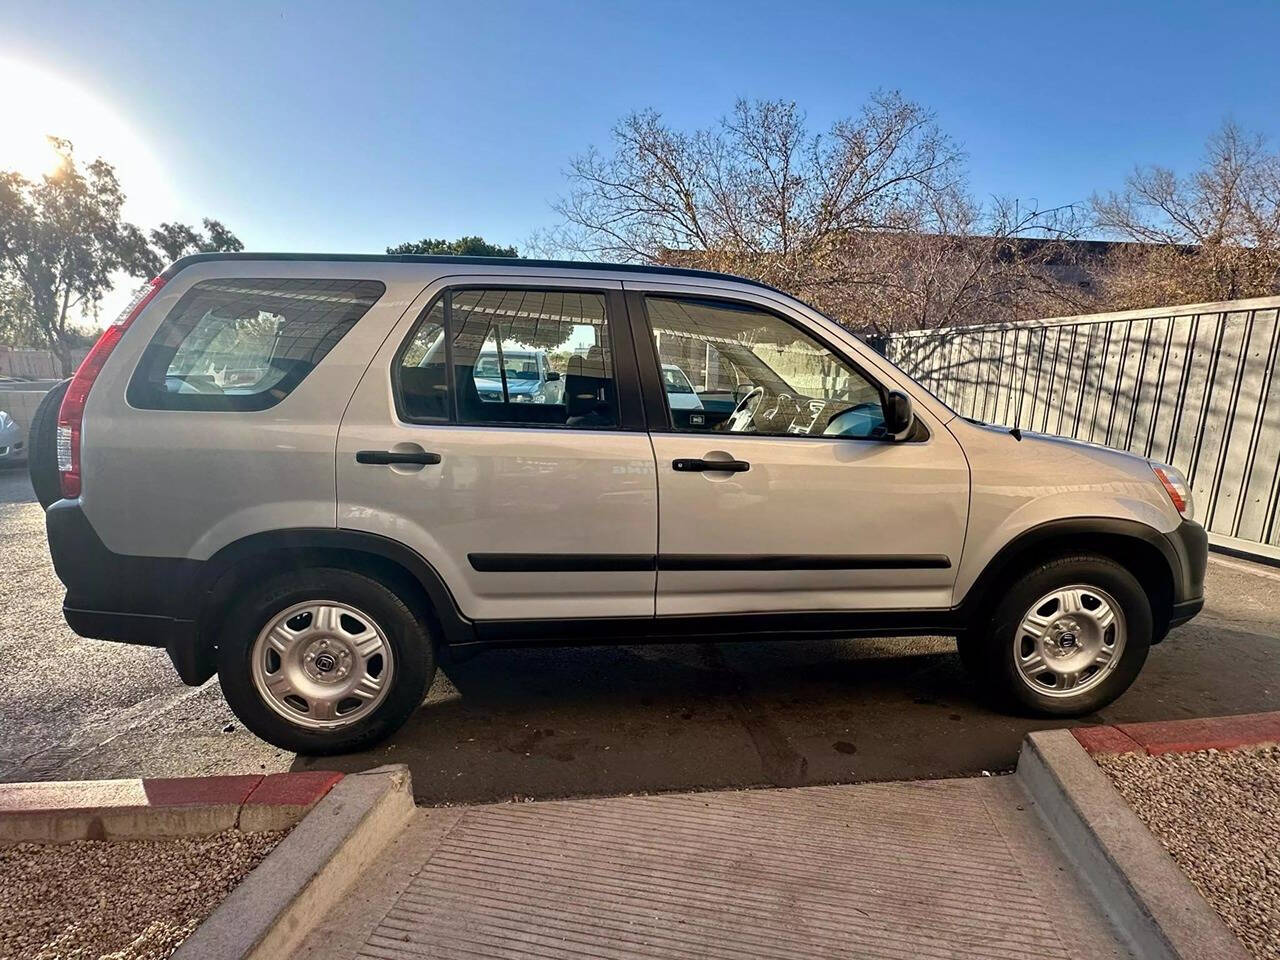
{"type": "Point", "coordinates": [195, 258]}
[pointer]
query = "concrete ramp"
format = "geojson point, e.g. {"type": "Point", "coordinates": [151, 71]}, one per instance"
{"type": "Point", "coordinates": [957, 868]}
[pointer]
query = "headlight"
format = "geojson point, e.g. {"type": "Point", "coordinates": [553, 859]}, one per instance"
{"type": "Point", "coordinates": [6, 421]}
{"type": "Point", "coordinates": [1175, 485]}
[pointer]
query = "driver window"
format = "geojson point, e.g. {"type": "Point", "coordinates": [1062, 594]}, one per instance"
{"type": "Point", "coordinates": [729, 367]}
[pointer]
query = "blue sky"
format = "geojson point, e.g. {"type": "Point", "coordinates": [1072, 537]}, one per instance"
{"type": "Point", "coordinates": [347, 127]}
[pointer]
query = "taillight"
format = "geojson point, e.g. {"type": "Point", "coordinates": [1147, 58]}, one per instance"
{"type": "Point", "coordinates": [71, 414]}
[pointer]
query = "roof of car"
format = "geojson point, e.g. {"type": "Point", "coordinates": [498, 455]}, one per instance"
{"type": "Point", "coordinates": [195, 258]}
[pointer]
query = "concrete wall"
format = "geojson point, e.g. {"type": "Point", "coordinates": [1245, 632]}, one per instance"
{"type": "Point", "coordinates": [32, 364]}
{"type": "Point", "coordinates": [41, 370]}
{"type": "Point", "coordinates": [21, 405]}
{"type": "Point", "coordinates": [1192, 386]}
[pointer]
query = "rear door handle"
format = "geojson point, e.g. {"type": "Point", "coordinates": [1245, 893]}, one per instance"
{"type": "Point", "coordinates": [386, 457]}
{"type": "Point", "coordinates": [701, 466]}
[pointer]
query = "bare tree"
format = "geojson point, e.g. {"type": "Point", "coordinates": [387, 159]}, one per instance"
{"type": "Point", "coordinates": [870, 219]}
{"type": "Point", "coordinates": [1212, 235]}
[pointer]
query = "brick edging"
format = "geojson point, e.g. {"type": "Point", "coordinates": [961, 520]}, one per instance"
{"type": "Point", "coordinates": [139, 808]}
{"type": "Point", "coordinates": [1182, 736]}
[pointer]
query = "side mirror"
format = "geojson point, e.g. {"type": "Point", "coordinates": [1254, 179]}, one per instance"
{"type": "Point", "coordinates": [897, 414]}
{"type": "Point", "coordinates": [553, 376]}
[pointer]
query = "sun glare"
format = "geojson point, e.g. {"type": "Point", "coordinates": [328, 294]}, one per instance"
{"type": "Point", "coordinates": [36, 104]}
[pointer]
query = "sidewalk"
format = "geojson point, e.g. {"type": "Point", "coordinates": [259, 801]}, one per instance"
{"type": "Point", "coordinates": [936, 869]}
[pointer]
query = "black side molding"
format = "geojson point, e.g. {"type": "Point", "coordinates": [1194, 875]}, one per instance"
{"type": "Point", "coordinates": [616, 562]}
{"type": "Point", "coordinates": [821, 561]}
{"type": "Point", "coordinates": [561, 562]}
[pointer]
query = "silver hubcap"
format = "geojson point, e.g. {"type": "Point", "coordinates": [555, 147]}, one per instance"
{"type": "Point", "coordinates": [322, 664]}
{"type": "Point", "coordinates": [1069, 641]}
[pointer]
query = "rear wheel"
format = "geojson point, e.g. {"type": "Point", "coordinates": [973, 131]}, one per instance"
{"type": "Point", "coordinates": [1066, 639]}
{"type": "Point", "coordinates": [42, 447]}
{"type": "Point", "coordinates": [324, 661]}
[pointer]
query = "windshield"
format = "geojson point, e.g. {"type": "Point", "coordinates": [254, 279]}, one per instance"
{"type": "Point", "coordinates": [676, 382]}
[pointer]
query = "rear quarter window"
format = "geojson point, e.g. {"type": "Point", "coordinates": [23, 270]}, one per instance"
{"type": "Point", "coordinates": [241, 343]}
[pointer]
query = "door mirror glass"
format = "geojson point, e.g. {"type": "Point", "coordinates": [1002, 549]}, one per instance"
{"type": "Point", "coordinates": [553, 376]}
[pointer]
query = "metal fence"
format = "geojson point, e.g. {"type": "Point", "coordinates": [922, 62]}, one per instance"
{"type": "Point", "coordinates": [1192, 386]}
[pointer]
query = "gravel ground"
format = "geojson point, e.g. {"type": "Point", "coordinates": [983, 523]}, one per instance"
{"type": "Point", "coordinates": [117, 900]}
{"type": "Point", "coordinates": [1218, 814]}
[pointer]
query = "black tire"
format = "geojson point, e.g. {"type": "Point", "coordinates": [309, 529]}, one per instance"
{"type": "Point", "coordinates": [989, 654]}
{"type": "Point", "coordinates": [42, 447]}
{"type": "Point", "coordinates": [412, 652]}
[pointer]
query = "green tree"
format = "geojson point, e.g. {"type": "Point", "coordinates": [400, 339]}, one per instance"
{"type": "Point", "coordinates": [17, 325]}
{"type": "Point", "coordinates": [61, 239]}
{"type": "Point", "coordinates": [462, 247]}
{"type": "Point", "coordinates": [62, 242]}
{"type": "Point", "coordinates": [175, 240]}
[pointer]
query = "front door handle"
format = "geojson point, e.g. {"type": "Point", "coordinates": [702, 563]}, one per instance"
{"type": "Point", "coordinates": [702, 466]}
{"type": "Point", "coordinates": [386, 457]}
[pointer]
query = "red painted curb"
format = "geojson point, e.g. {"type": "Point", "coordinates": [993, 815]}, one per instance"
{"type": "Point", "coordinates": [162, 806]}
{"type": "Point", "coordinates": [293, 789]}
{"type": "Point", "coordinates": [1106, 740]}
{"type": "Point", "coordinates": [204, 791]}
{"type": "Point", "coordinates": [1183, 736]}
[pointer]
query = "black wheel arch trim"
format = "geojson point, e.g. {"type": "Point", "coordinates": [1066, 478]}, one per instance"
{"type": "Point", "coordinates": [1184, 550]}
{"type": "Point", "coordinates": [457, 627]}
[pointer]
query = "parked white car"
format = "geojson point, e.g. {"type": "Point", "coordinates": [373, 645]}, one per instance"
{"type": "Point", "coordinates": [13, 444]}
{"type": "Point", "coordinates": [320, 533]}
{"type": "Point", "coordinates": [680, 392]}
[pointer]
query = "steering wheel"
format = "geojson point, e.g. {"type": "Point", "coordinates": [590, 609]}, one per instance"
{"type": "Point", "coordinates": [743, 417]}
{"type": "Point", "coordinates": [772, 412]}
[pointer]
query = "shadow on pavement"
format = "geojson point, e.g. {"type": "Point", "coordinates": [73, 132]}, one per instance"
{"type": "Point", "coordinates": [587, 721]}
{"type": "Point", "coordinates": [612, 720]}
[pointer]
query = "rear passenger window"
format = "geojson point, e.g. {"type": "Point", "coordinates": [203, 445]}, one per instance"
{"type": "Point", "coordinates": [519, 357]}
{"type": "Point", "coordinates": [242, 343]}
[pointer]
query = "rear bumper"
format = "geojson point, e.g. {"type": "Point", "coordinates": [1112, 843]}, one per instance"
{"type": "Point", "coordinates": [110, 596]}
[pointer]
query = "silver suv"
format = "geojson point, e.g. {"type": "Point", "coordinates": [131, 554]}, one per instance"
{"type": "Point", "coordinates": [283, 469]}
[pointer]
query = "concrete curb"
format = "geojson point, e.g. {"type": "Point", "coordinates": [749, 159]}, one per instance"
{"type": "Point", "coordinates": [1183, 736]}
{"type": "Point", "coordinates": [269, 914]}
{"type": "Point", "coordinates": [1137, 884]}
{"type": "Point", "coordinates": [140, 809]}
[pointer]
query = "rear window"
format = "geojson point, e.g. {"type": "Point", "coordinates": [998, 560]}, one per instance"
{"type": "Point", "coordinates": [241, 343]}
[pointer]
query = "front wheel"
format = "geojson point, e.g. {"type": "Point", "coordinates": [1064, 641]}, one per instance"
{"type": "Point", "coordinates": [1066, 639]}
{"type": "Point", "coordinates": [324, 661]}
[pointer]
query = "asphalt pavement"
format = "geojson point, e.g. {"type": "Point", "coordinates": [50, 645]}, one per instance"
{"type": "Point", "coordinates": [595, 721]}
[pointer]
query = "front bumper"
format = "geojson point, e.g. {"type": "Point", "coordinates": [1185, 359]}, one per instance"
{"type": "Point", "coordinates": [1190, 547]}
{"type": "Point", "coordinates": [1184, 611]}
